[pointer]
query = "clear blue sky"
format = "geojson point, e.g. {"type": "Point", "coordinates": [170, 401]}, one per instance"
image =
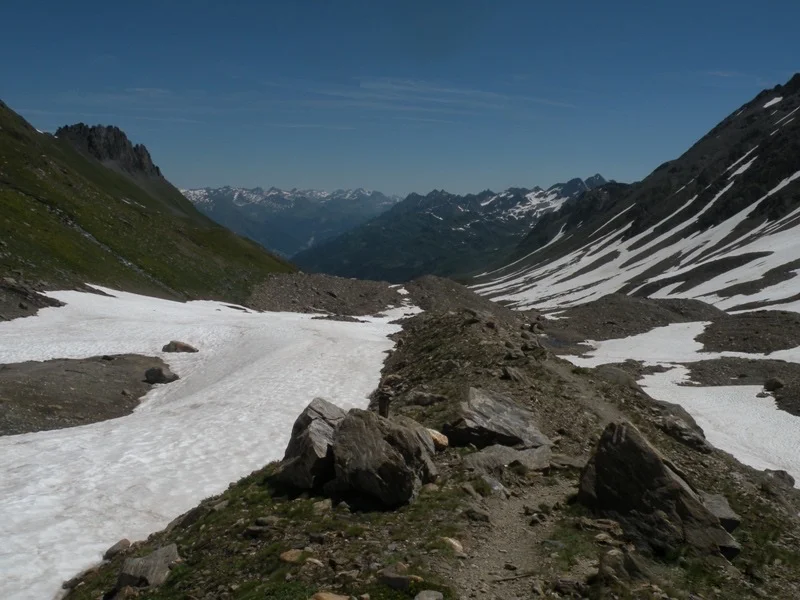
{"type": "Point", "coordinates": [399, 96]}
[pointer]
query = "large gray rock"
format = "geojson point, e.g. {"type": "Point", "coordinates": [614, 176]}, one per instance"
{"type": "Point", "coordinates": [382, 459]}
{"type": "Point", "coordinates": [718, 505]}
{"type": "Point", "coordinates": [176, 346]}
{"type": "Point", "coordinates": [308, 460]}
{"type": "Point", "coordinates": [485, 418]}
{"type": "Point", "coordinates": [495, 459]}
{"type": "Point", "coordinates": [627, 479]}
{"type": "Point", "coordinates": [149, 570]}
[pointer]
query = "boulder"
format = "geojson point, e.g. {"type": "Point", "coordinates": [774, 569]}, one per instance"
{"type": "Point", "coordinates": [423, 398]}
{"type": "Point", "coordinates": [679, 429]}
{"type": "Point", "coordinates": [781, 477]}
{"type": "Point", "coordinates": [629, 480]}
{"type": "Point", "coordinates": [717, 504]}
{"type": "Point", "coordinates": [385, 460]}
{"type": "Point", "coordinates": [485, 418]}
{"type": "Point", "coordinates": [495, 459]}
{"type": "Point", "coordinates": [773, 384]}
{"type": "Point", "coordinates": [514, 374]}
{"type": "Point", "coordinates": [149, 570]}
{"type": "Point", "coordinates": [160, 375]}
{"type": "Point", "coordinates": [175, 346]}
{"type": "Point", "coordinates": [308, 460]}
{"type": "Point", "coordinates": [120, 546]}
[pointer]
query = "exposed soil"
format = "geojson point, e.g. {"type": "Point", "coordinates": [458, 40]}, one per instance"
{"type": "Point", "coordinates": [762, 332]}
{"type": "Point", "coordinates": [59, 393]}
{"type": "Point", "coordinates": [310, 293]}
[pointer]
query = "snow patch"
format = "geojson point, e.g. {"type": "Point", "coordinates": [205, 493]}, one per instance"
{"type": "Point", "coordinates": [773, 102]}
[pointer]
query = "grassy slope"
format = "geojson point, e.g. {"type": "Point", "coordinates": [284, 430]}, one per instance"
{"type": "Point", "coordinates": [67, 219]}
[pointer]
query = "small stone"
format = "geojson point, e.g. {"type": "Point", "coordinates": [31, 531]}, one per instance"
{"type": "Point", "coordinates": [429, 595]}
{"type": "Point", "coordinates": [454, 544]}
{"type": "Point", "coordinates": [510, 567]}
{"type": "Point", "coordinates": [347, 576]}
{"type": "Point", "coordinates": [430, 488]}
{"type": "Point", "coordinates": [328, 596]}
{"type": "Point", "coordinates": [292, 556]}
{"type": "Point", "coordinates": [478, 514]}
{"type": "Point", "coordinates": [440, 440]}
{"type": "Point", "coordinates": [323, 506]}
{"type": "Point", "coordinates": [314, 561]}
{"type": "Point", "coordinates": [175, 346]}
{"type": "Point", "coordinates": [160, 375]}
{"type": "Point", "coordinates": [268, 521]}
{"type": "Point", "coordinates": [120, 546]}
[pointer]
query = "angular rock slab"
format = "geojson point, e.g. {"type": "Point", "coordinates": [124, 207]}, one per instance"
{"type": "Point", "coordinates": [627, 478]}
{"type": "Point", "coordinates": [718, 505]}
{"type": "Point", "coordinates": [486, 418]}
{"type": "Point", "coordinates": [495, 459]}
{"type": "Point", "coordinates": [308, 460]}
{"type": "Point", "coordinates": [149, 570]}
{"type": "Point", "coordinates": [381, 458]}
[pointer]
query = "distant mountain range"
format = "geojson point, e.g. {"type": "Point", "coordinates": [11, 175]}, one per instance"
{"type": "Point", "coordinates": [289, 221]}
{"type": "Point", "coordinates": [440, 233]}
{"type": "Point", "coordinates": [721, 224]}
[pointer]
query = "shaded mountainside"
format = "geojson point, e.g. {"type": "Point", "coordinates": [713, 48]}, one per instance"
{"type": "Point", "coordinates": [440, 233]}
{"type": "Point", "coordinates": [289, 221]}
{"type": "Point", "coordinates": [92, 207]}
{"type": "Point", "coordinates": [718, 223]}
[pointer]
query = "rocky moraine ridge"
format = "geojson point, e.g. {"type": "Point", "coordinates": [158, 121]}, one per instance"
{"type": "Point", "coordinates": [485, 467]}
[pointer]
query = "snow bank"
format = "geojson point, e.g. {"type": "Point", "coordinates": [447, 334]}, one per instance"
{"type": "Point", "coordinates": [752, 429]}
{"type": "Point", "coordinates": [67, 495]}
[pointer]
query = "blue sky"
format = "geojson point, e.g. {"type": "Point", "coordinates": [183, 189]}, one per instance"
{"type": "Point", "coordinates": [398, 96]}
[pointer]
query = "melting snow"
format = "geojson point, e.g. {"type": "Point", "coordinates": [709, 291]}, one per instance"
{"type": "Point", "coordinates": [67, 495]}
{"type": "Point", "coordinates": [752, 429]}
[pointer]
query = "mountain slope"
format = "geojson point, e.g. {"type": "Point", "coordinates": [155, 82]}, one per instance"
{"type": "Point", "coordinates": [720, 224]}
{"type": "Point", "coordinates": [68, 219]}
{"type": "Point", "coordinates": [289, 221]}
{"type": "Point", "coordinates": [440, 233]}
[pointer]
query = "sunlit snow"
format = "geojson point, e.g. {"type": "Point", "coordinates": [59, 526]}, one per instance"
{"type": "Point", "coordinates": [67, 495]}
{"type": "Point", "coordinates": [773, 102]}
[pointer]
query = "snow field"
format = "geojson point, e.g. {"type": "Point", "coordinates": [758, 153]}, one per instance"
{"type": "Point", "coordinates": [67, 495]}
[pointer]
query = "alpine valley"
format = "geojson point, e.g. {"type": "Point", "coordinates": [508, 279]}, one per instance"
{"type": "Point", "coordinates": [608, 409]}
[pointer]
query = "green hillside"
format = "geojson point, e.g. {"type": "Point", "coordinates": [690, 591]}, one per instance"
{"type": "Point", "coordinates": [67, 219]}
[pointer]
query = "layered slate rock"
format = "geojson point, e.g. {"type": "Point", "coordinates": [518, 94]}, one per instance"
{"type": "Point", "coordinates": [308, 460]}
{"type": "Point", "coordinates": [382, 459]}
{"type": "Point", "coordinates": [628, 479]}
{"type": "Point", "coordinates": [149, 570]}
{"type": "Point", "coordinates": [495, 459]}
{"type": "Point", "coordinates": [485, 418]}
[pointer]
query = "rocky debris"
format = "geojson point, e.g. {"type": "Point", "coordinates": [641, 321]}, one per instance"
{"type": "Point", "coordinates": [621, 565]}
{"type": "Point", "coordinates": [755, 332]}
{"type": "Point", "coordinates": [59, 393]}
{"type": "Point", "coordinates": [156, 375]}
{"type": "Point", "coordinates": [717, 505]}
{"type": "Point", "coordinates": [308, 460]}
{"type": "Point", "coordinates": [397, 577]}
{"type": "Point", "coordinates": [120, 546]}
{"type": "Point", "coordinates": [485, 418]}
{"type": "Point", "coordinates": [678, 429]}
{"type": "Point", "coordinates": [315, 293]}
{"type": "Point", "coordinates": [495, 459]}
{"type": "Point", "coordinates": [423, 398]}
{"type": "Point", "coordinates": [628, 479]}
{"type": "Point", "coordinates": [381, 459]}
{"type": "Point", "coordinates": [150, 570]}
{"type": "Point", "coordinates": [175, 346]}
{"type": "Point", "coordinates": [773, 384]}
{"type": "Point", "coordinates": [20, 299]}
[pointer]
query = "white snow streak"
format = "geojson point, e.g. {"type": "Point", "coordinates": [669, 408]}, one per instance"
{"type": "Point", "coordinates": [773, 102]}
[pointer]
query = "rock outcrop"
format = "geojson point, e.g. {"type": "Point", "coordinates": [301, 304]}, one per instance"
{"type": "Point", "coordinates": [485, 418]}
{"type": "Point", "coordinates": [175, 346]}
{"type": "Point", "coordinates": [149, 570]}
{"type": "Point", "coordinates": [308, 460]}
{"type": "Point", "coordinates": [628, 479]}
{"type": "Point", "coordinates": [160, 375]}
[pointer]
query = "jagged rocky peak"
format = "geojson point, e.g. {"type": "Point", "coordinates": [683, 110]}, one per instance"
{"type": "Point", "coordinates": [595, 180]}
{"type": "Point", "coordinates": [111, 146]}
